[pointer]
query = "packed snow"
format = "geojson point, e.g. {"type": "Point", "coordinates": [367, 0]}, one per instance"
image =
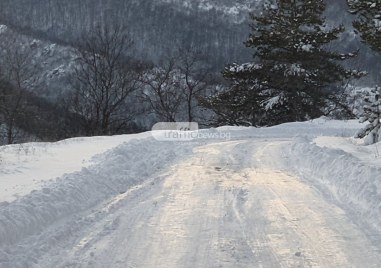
{"type": "Point", "coordinates": [294, 195]}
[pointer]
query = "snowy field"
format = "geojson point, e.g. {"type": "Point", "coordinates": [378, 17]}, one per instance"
{"type": "Point", "coordinates": [27, 167]}
{"type": "Point", "coordinates": [294, 195]}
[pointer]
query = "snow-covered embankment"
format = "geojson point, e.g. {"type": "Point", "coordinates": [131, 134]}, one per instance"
{"type": "Point", "coordinates": [351, 180]}
{"type": "Point", "coordinates": [117, 170]}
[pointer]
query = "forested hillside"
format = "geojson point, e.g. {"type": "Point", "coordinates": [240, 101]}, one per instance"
{"type": "Point", "coordinates": [217, 28]}
{"type": "Point", "coordinates": [177, 54]}
{"type": "Point", "coordinates": [156, 26]}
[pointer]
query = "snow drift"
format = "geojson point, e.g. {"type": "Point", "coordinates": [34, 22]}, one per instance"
{"type": "Point", "coordinates": [117, 171]}
{"type": "Point", "coordinates": [355, 184]}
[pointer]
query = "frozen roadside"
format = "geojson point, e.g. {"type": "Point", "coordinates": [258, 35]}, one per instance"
{"type": "Point", "coordinates": [346, 173]}
{"type": "Point", "coordinates": [115, 172]}
{"type": "Point", "coordinates": [53, 202]}
{"type": "Point", "coordinates": [367, 154]}
{"type": "Point", "coordinates": [32, 166]}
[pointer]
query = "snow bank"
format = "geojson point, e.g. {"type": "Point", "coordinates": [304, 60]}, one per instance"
{"type": "Point", "coordinates": [116, 171]}
{"type": "Point", "coordinates": [352, 182]}
{"type": "Point", "coordinates": [132, 163]}
{"type": "Point", "coordinates": [29, 166]}
{"type": "Point", "coordinates": [314, 128]}
{"type": "Point", "coordinates": [369, 154]}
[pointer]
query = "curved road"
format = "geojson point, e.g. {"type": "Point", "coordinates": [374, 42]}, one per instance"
{"type": "Point", "coordinates": [227, 205]}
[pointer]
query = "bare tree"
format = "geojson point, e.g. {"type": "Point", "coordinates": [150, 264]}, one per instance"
{"type": "Point", "coordinates": [11, 107]}
{"type": "Point", "coordinates": [18, 74]}
{"type": "Point", "coordinates": [103, 81]}
{"type": "Point", "coordinates": [195, 78]}
{"type": "Point", "coordinates": [172, 89]}
{"type": "Point", "coordinates": [162, 90]}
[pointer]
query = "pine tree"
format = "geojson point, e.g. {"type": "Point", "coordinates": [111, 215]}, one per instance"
{"type": "Point", "coordinates": [368, 25]}
{"type": "Point", "coordinates": [236, 106]}
{"type": "Point", "coordinates": [372, 114]}
{"type": "Point", "coordinates": [368, 22]}
{"type": "Point", "coordinates": [293, 76]}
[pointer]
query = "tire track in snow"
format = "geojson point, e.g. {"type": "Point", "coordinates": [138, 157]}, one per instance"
{"type": "Point", "coordinates": [223, 208]}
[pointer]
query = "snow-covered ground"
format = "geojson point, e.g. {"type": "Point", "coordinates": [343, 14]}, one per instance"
{"type": "Point", "coordinates": [294, 195]}
{"type": "Point", "coordinates": [30, 166]}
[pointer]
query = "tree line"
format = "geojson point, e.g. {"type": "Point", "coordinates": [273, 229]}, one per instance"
{"type": "Point", "coordinates": [155, 25]}
{"type": "Point", "coordinates": [295, 75]}
{"type": "Point", "coordinates": [368, 25]}
{"type": "Point", "coordinates": [110, 93]}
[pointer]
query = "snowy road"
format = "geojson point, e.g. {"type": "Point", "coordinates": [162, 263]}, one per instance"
{"type": "Point", "coordinates": [226, 205]}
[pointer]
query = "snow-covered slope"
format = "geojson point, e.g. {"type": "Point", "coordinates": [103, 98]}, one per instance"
{"type": "Point", "coordinates": [235, 10]}
{"type": "Point", "coordinates": [218, 28]}
{"type": "Point", "coordinates": [52, 62]}
{"type": "Point", "coordinates": [285, 195]}
{"type": "Point", "coordinates": [30, 166]}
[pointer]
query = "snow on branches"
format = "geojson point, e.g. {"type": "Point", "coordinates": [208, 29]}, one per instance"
{"type": "Point", "coordinates": [371, 114]}
{"type": "Point", "coordinates": [368, 21]}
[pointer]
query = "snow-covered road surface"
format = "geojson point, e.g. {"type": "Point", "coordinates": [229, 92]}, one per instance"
{"type": "Point", "coordinates": [266, 198]}
{"type": "Point", "coordinates": [226, 205]}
